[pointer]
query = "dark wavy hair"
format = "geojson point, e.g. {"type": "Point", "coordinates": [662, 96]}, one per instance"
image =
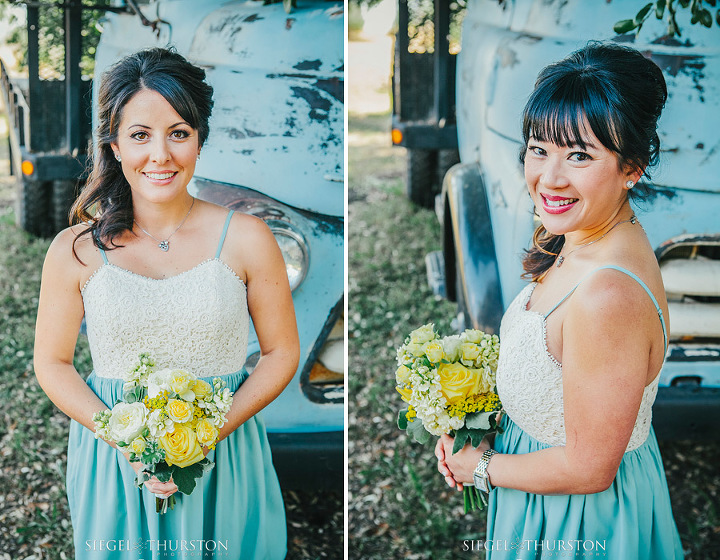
{"type": "Point", "coordinates": [105, 204]}
{"type": "Point", "coordinates": [619, 94]}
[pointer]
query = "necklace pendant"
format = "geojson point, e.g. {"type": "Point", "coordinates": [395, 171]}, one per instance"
{"type": "Point", "coordinates": [164, 245]}
{"type": "Point", "coordinates": [560, 260]}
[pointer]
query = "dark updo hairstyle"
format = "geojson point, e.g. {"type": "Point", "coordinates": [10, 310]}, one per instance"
{"type": "Point", "coordinates": [105, 204]}
{"type": "Point", "coordinates": [619, 94]}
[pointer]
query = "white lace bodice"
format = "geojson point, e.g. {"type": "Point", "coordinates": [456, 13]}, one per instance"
{"type": "Point", "coordinates": [529, 378]}
{"type": "Point", "coordinates": [197, 320]}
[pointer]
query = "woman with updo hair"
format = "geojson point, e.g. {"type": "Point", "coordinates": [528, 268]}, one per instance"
{"type": "Point", "coordinates": [154, 270]}
{"type": "Point", "coordinates": [577, 471]}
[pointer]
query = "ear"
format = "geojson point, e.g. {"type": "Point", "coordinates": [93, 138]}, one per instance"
{"type": "Point", "coordinates": [633, 174]}
{"type": "Point", "coordinates": [115, 148]}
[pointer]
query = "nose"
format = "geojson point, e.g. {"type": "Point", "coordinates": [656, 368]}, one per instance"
{"type": "Point", "coordinates": [160, 153]}
{"type": "Point", "coordinates": [552, 175]}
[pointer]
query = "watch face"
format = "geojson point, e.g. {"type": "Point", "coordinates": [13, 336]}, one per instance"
{"type": "Point", "coordinates": [481, 483]}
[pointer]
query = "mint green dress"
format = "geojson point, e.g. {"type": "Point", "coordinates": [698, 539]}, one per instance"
{"type": "Point", "coordinates": [198, 321]}
{"type": "Point", "coordinates": [631, 520]}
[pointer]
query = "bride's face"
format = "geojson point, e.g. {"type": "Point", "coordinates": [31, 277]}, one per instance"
{"type": "Point", "coordinates": [575, 189]}
{"type": "Point", "coordinates": [157, 147]}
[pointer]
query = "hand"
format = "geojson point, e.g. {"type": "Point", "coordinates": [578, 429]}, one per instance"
{"type": "Point", "coordinates": [160, 489]}
{"type": "Point", "coordinates": [458, 468]}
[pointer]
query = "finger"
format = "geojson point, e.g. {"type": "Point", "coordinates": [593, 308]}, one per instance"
{"type": "Point", "coordinates": [450, 481]}
{"type": "Point", "coordinates": [440, 450]}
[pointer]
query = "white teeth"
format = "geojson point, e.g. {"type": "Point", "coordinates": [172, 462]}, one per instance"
{"type": "Point", "coordinates": [159, 176]}
{"type": "Point", "coordinates": [557, 203]}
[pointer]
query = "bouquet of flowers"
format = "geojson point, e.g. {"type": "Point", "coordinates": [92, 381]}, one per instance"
{"type": "Point", "coordinates": [164, 419]}
{"type": "Point", "coordinates": [448, 384]}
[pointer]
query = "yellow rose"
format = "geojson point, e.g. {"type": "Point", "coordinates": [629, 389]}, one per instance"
{"type": "Point", "coordinates": [470, 351]}
{"type": "Point", "coordinates": [206, 432]}
{"type": "Point", "coordinates": [181, 382]}
{"type": "Point", "coordinates": [404, 393]}
{"type": "Point", "coordinates": [181, 447]}
{"type": "Point", "coordinates": [434, 352]}
{"type": "Point", "coordinates": [458, 382]}
{"type": "Point", "coordinates": [424, 334]}
{"type": "Point", "coordinates": [402, 374]}
{"type": "Point", "coordinates": [179, 410]}
{"type": "Point", "coordinates": [138, 445]}
{"type": "Point", "coordinates": [473, 335]}
{"type": "Point", "coordinates": [202, 389]}
{"type": "Point", "coordinates": [415, 350]}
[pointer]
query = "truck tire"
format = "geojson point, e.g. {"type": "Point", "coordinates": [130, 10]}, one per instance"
{"type": "Point", "coordinates": [63, 196]}
{"type": "Point", "coordinates": [34, 202]}
{"type": "Point", "coordinates": [422, 182]}
{"type": "Point", "coordinates": [445, 160]}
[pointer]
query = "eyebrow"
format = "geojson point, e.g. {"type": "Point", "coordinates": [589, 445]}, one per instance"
{"type": "Point", "coordinates": [587, 143]}
{"type": "Point", "coordinates": [171, 126]}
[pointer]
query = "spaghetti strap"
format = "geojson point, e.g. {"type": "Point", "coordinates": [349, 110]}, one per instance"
{"type": "Point", "coordinates": [639, 281]}
{"type": "Point", "coordinates": [224, 233]}
{"type": "Point", "coordinates": [103, 255]}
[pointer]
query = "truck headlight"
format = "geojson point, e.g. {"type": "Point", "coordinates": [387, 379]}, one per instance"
{"type": "Point", "coordinates": [295, 253]}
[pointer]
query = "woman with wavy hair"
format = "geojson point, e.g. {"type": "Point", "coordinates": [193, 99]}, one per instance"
{"type": "Point", "coordinates": [154, 270]}
{"type": "Point", "coordinates": [577, 468]}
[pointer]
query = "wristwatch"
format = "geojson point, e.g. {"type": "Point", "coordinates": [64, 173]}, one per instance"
{"type": "Point", "coordinates": [480, 475]}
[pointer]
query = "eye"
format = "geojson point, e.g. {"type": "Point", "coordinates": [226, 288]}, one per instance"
{"type": "Point", "coordinates": [580, 156]}
{"type": "Point", "coordinates": [537, 150]}
{"type": "Point", "coordinates": [179, 134]}
{"type": "Point", "coordinates": [139, 135]}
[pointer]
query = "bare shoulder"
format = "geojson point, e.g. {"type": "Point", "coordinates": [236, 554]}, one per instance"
{"type": "Point", "coordinates": [249, 244]}
{"type": "Point", "coordinates": [611, 297]}
{"type": "Point", "coordinates": [72, 253]}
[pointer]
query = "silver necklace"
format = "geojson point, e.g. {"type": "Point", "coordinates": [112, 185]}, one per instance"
{"type": "Point", "coordinates": [164, 244]}
{"type": "Point", "coordinates": [561, 259]}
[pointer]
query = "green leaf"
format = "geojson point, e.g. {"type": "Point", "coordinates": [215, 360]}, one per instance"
{"type": "Point", "coordinates": [659, 9]}
{"type": "Point", "coordinates": [684, 3]}
{"type": "Point", "coordinates": [418, 431]}
{"type": "Point", "coordinates": [717, 17]}
{"type": "Point", "coordinates": [642, 14]}
{"type": "Point", "coordinates": [476, 437]}
{"type": "Point", "coordinates": [163, 472]}
{"type": "Point", "coordinates": [479, 420]}
{"type": "Point", "coordinates": [624, 26]}
{"type": "Point", "coordinates": [142, 477]}
{"type": "Point", "coordinates": [186, 477]}
{"type": "Point", "coordinates": [461, 437]}
{"type": "Point", "coordinates": [402, 420]}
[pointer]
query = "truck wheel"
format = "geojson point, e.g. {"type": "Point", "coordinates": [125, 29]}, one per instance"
{"type": "Point", "coordinates": [445, 160]}
{"type": "Point", "coordinates": [34, 207]}
{"type": "Point", "coordinates": [422, 183]}
{"type": "Point", "coordinates": [63, 196]}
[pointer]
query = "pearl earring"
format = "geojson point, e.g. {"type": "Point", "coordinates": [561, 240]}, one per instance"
{"type": "Point", "coordinates": [629, 184]}
{"type": "Point", "coordinates": [117, 157]}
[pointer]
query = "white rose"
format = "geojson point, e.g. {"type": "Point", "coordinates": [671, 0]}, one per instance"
{"type": "Point", "coordinates": [127, 421]}
{"type": "Point", "coordinates": [158, 381]}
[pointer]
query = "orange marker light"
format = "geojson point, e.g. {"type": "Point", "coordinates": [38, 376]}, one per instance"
{"type": "Point", "coordinates": [397, 136]}
{"type": "Point", "coordinates": [27, 167]}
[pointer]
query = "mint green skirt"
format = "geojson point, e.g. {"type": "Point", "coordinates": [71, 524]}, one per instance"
{"type": "Point", "coordinates": [631, 520]}
{"type": "Point", "coordinates": [235, 512]}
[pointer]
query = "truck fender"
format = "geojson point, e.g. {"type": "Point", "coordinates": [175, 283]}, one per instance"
{"type": "Point", "coordinates": [471, 267]}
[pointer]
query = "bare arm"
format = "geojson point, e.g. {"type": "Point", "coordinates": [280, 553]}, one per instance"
{"type": "Point", "coordinates": [607, 338]}
{"type": "Point", "coordinates": [60, 313]}
{"type": "Point", "coordinates": [273, 314]}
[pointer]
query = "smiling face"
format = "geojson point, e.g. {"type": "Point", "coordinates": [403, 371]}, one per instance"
{"type": "Point", "coordinates": [157, 147]}
{"type": "Point", "coordinates": [575, 188]}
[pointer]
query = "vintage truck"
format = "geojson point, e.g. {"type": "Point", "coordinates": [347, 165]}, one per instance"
{"type": "Point", "coordinates": [275, 150]}
{"type": "Point", "coordinates": [487, 216]}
